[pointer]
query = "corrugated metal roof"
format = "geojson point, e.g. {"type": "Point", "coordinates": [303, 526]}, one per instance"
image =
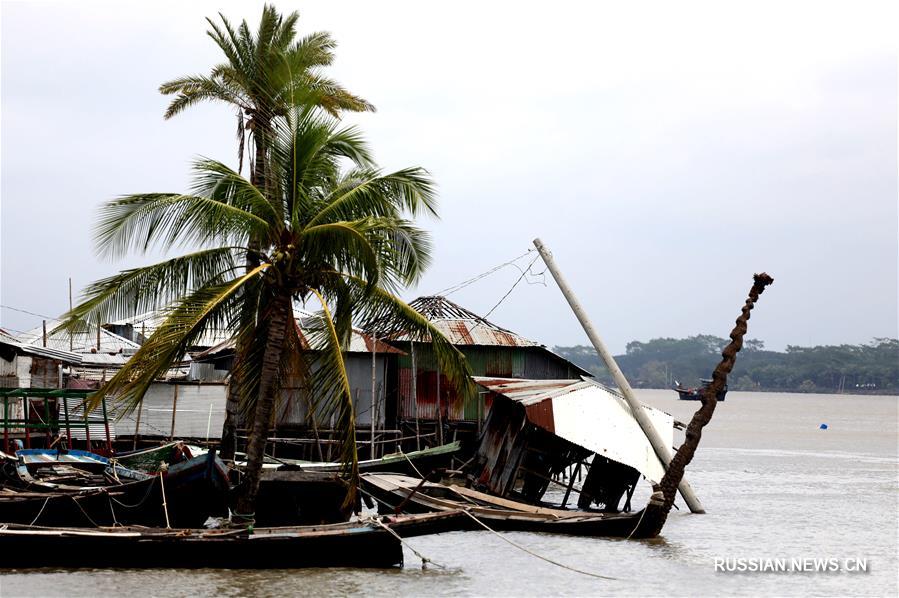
{"type": "Point", "coordinates": [47, 352]}
{"type": "Point", "coordinates": [147, 323]}
{"type": "Point", "coordinates": [360, 342]}
{"type": "Point", "coordinates": [590, 416]}
{"type": "Point", "coordinates": [81, 342]}
{"type": "Point", "coordinates": [463, 327]}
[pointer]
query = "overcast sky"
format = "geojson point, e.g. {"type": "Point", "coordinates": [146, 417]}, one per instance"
{"type": "Point", "coordinates": [664, 152]}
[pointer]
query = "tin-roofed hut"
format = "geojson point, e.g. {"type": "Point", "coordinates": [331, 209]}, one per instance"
{"type": "Point", "coordinates": [490, 350]}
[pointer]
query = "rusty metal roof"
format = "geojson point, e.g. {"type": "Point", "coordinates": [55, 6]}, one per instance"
{"type": "Point", "coordinates": [463, 327]}
{"type": "Point", "coordinates": [360, 342]}
{"type": "Point", "coordinates": [589, 415]}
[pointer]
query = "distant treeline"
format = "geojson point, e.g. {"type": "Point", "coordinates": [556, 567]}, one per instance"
{"type": "Point", "coordinates": [869, 368]}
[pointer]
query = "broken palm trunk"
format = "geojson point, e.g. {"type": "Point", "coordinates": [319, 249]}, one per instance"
{"type": "Point", "coordinates": [659, 507]}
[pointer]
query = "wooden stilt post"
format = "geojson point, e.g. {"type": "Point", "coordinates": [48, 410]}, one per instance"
{"type": "Point", "coordinates": [415, 396]}
{"type": "Point", "coordinates": [439, 411]}
{"type": "Point", "coordinates": [174, 411]}
{"type": "Point", "coordinates": [662, 451]}
{"type": "Point", "coordinates": [374, 382]}
{"type": "Point", "coordinates": [140, 407]}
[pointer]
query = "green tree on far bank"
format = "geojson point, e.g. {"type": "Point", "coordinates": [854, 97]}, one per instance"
{"type": "Point", "coordinates": [868, 368]}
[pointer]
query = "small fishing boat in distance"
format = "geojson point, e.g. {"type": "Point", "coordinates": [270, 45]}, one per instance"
{"type": "Point", "coordinates": [695, 394]}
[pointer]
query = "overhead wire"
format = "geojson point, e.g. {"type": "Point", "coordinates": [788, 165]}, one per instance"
{"type": "Point", "coordinates": [30, 313]}
{"type": "Point", "coordinates": [461, 285]}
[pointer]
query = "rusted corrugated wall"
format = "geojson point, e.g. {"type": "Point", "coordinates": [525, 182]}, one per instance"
{"type": "Point", "coordinates": [533, 363]}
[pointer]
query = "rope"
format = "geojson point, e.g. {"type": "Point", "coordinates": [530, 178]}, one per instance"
{"type": "Point", "coordinates": [39, 512]}
{"type": "Point", "coordinates": [636, 527]}
{"type": "Point", "coordinates": [412, 464]}
{"type": "Point", "coordinates": [115, 522]}
{"type": "Point", "coordinates": [424, 560]}
{"type": "Point", "coordinates": [77, 504]}
{"type": "Point", "coordinates": [142, 501]}
{"type": "Point", "coordinates": [532, 553]}
{"type": "Point", "coordinates": [165, 508]}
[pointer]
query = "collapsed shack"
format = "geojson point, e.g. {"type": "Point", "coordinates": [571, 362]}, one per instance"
{"type": "Point", "coordinates": [538, 429]}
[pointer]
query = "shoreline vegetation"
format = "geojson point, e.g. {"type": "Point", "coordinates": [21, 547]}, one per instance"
{"type": "Point", "coordinates": [871, 368]}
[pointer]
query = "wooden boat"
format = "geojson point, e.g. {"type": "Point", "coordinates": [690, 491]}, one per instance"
{"type": "Point", "coordinates": [695, 394]}
{"type": "Point", "coordinates": [291, 497]}
{"type": "Point", "coordinates": [410, 495]}
{"type": "Point", "coordinates": [184, 495]}
{"type": "Point", "coordinates": [153, 458]}
{"type": "Point", "coordinates": [426, 460]}
{"type": "Point", "coordinates": [306, 493]}
{"type": "Point", "coordinates": [359, 544]}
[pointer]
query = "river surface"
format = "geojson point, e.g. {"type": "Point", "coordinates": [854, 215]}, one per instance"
{"type": "Point", "coordinates": [774, 484]}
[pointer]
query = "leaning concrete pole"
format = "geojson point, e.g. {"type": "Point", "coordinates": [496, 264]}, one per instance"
{"type": "Point", "coordinates": [662, 451]}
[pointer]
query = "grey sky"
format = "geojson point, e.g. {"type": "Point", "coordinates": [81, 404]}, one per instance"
{"type": "Point", "coordinates": [665, 152]}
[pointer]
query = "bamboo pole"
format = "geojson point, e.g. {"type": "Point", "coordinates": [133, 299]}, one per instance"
{"type": "Point", "coordinates": [658, 445]}
{"type": "Point", "coordinates": [140, 408]}
{"type": "Point", "coordinates": [174, 411]}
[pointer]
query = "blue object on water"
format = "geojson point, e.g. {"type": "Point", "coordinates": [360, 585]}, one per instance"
{"type": "Point", "coordinates": [822, 427]}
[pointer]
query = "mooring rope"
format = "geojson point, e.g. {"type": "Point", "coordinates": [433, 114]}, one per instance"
{"type": "Point", "coordinates": [534, 554]}
{"type": "Point", "coordinates": [405, 456]}
{"type": "Point", "coordinates": [636, 527]}
{"type": "Point", "coordinates": [424, 560]}
{"type": "Point", "coordinates": [77, 504]}
{"type": "Point", "coordinates": [528, 551]}
{"type": "Point", "coordinates": [165, 508]}
{"type": "Point", "coordinates": [141, 502]}
{"type": "Point", "coordinates": [46, 500]}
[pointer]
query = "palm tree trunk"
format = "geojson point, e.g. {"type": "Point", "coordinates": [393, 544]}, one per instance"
{"type": "Point", "coordinates": [228, 443]}
{"type": "Point", "coordinates": [274, 346]}
{"type": "Point", "coordinates": [657, 511]}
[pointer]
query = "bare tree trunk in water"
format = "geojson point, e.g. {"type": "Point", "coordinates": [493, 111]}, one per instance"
{"type": "Point", "coordinates": [657, 511]}
{"type": "Point", "coordinates": [228, 442]}
{"type": "Point", "coordinates": [274, 345]}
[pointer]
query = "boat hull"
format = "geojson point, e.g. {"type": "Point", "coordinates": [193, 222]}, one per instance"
{"type": "Point", "coordinates": [351, 545]}
{"type": "Point", "coordinates": [503, 514]}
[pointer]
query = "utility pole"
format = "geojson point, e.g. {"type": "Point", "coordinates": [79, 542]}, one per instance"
{"type": "Point", "coordinates": [658, 445]}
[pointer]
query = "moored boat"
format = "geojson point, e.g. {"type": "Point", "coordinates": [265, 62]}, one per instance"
{"type": "Point", "coordinates": [695, 394]}
{"type": "Point", "coordinates": [80, 489]}
{"type": "Point", "coordinates": [410, 495]}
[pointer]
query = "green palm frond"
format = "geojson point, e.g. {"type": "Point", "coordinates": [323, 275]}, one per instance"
{"type": "Point", "coordinates": [330, 388]}
{"type": "Point", "coordinates": [164, 220]}
{"type": "Point", "coordinates": [388, 316]}
{"type": "Point", "coordinates": [345, 246]}
{"type": "Point", "coordinates": [195, 89]}
{"type": "Point", "coordinates": [218, 181]}
{"type": "Point", "coordinates": [212, 307]}
{"type": "Point", "coordinates": [153, 287]}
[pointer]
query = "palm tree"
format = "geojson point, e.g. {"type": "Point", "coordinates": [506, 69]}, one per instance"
{"type": "Point", "coordinates": [338, 237]}
{"type": "Point", "coordinates": [263, 76]}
